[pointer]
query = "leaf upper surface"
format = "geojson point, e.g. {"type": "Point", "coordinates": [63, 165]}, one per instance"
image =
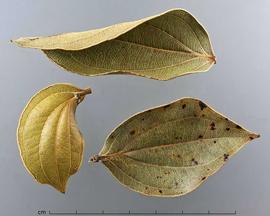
{"type": "Point", "coordinates": [48, 138]}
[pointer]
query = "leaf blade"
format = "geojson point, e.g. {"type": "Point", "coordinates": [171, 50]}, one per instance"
{"type": "Point", "coordinates": [40, 144]}
{"type": "Point", "coordinates": [170, 150]}
{"type": "Point", "coordinates": [160, 47]}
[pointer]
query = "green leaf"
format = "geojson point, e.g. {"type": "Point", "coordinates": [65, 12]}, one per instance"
{"type": "Point", "coordinates": [170, 150]}
{"type": "Point", "coordinates": [161, 47]}
{"type": "Point", "coordinates": [50, 143]}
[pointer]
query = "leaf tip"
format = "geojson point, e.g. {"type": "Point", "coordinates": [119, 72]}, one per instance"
{"type": "Point", "coordinates": [16, 41]}
{"type": "Point", "coordinates": [254, 136]}
{"type": "Point", "coordinates": [61, 189]}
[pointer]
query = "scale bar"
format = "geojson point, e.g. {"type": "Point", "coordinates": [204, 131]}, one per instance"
{"type": "Point", "coordinates": [142, 213]}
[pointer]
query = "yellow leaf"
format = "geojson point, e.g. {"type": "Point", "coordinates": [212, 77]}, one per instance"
{"type": "Point", "coordinates": [50, 143]}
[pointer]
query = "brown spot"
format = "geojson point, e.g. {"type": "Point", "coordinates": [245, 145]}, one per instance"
{"type": "Point", "coordinates": [132, 132]}
{"type": "Point", "coordinates": [203, 178]}
{"type": "Point", "coordinates": [184, 106]}
{"type": "Point", "coordinates": [215, 141]}
{"type": "Point", "coordinates": [212, 126]}
{"type": "Point", "coordinates": [226, 157]}
{"type": "Point", "coordinates": [178, 156]}
{"type": "Point", "coordinates": [251, 138]}
{"type": "Point", "coordinates": [194, 161]}
{"type": "Point", "coordinates": [160, 191]}
{"type": "Point", "coordinates": [142, 119]}
{"type": "Point", "coordinates": [226, 119]}
{"type": "Point", "coordinates": [227, 129]}
{"type": "Point", "coordinates": [202, 105]}
{"type": "Point", "coordinates": [200, 136]}
{"type": "Point", "coordinates": [112, 136]}
{"type": "Point", "coordinates": [176, 137]}
{"type": "Point", "coordinates": [238, 127]}
{"type": "Point", "coordinates": [166, 172]}
{"type": "Point", "coordinates": [146, 188]}
{"type": "Point", "coordinates": [203, 115]}
{"type": "Point", "coordinates": [176, 183]}
{"type": "Point", "coordinates": [159, 177]}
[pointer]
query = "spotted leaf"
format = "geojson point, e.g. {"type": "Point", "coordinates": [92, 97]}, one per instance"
{"type": "Point", "coordinates": [170, 150]}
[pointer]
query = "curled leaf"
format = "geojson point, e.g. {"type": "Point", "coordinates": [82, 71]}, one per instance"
{"type": "Point", "coordinates": [50, 143]}
{"type": "Point", "coordinates": [170, 150]}
{"type": "Point", "coordinates": [161, 47]}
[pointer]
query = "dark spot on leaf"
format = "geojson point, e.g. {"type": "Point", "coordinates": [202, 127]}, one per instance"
{"type": "Point", "coordinates": [159, 177]}
{"type": "Point", "coordinates": [212, 126]}
{"type": "Point", "coordinates": [226, 119]}
{"type": "Point", "coordinates": [238, 127]}
{"type": "Point", "coordinates": [178, 156]}
{"type": "Point", "coordinates": [184, 106]}
{"type": "Point", "coordinates": [200, 136]}
{"type": "Point", "coordinates": [142, 119]}
{"type": "Point", "coordinates": [202, 105]}
{"type": "Point", "coordinates": [251, 138]}
{"type": "Point", "coordinates": [215, 141]}
{"type": "Point", "coordinates": [203, 178]}
{"type": "Point", "coordinates": [176, 137]}
{"type": "Point", "coordinates": [203, 115]}
{"type": "Point", "coordinates": [227, 129]}
{"type": "Point", "coordinates": [176, 183]}
{"type": "Point", "coordinates": [194, 161]}
{"type": "Point", "coordinates": [132, 132]}
{"type": "Point", "coordinates": [160, 191]}
{"type": "Point", "coordinates": [226, 157]}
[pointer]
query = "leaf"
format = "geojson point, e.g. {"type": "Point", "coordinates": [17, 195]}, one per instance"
{"type": "Point", "coordinates": [50, 143]}
{"type": "Point", "coordinates": [161, 47]}
{"type": "Point", "coordinates": [170, 150]}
